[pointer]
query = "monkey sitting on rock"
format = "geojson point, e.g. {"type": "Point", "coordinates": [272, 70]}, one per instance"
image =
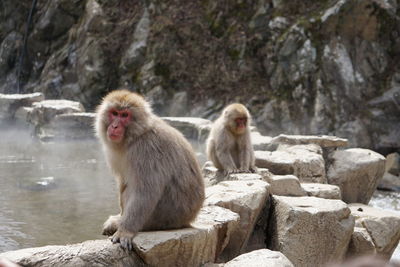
{"type": "Point", "coordinates": [229, 144]}
{"type": "Point", "coordinates": [159, 178]}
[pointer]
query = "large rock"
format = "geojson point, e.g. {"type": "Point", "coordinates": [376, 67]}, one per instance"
{"type": "Point", "coordinates": [383, 227]}
{"type": "Point", "coordinates": [68, 126]}
{"type": "Point", "coordinates": [189, 246]}
{"type": "Point", "coordinates": [260, 258]}
{"type": "Point", "coordinates": [357, 172]}
{"type": "Point", "coordinates": [245, 197]}
{"type": "Point", "coordinates": [192, 128]}
{"type": "Point", "coordinates": [310, 231]}
{"type": "Point", "coordinates": [182, 247]}
{"type": "Point", "coordinates": [10, 103]}
{"type": "Point", "coordinates": [304, 161]}
{"type": "Point", "coordinates": [322, 190]}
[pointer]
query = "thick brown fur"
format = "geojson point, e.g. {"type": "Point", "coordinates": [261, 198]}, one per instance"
{"type": "Point", "coordinates": [159, 178]}
{"type": "Point", "coordinates": [228, 147]}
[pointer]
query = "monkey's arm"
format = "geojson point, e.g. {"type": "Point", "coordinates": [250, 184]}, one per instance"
{"type": "Point", "coordinates": [246, 154]}
{"type": "Point", "coordinates": [144, 189]}
{"type": "Point", "coordinates": [223, 152]}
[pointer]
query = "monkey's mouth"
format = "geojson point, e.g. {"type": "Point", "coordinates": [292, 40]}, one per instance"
{"type": "Point", "coordinates": [115, 138]}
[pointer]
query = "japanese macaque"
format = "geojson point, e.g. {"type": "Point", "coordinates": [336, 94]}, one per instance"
{"type": "Point", "coordinates": [159, 178]}
{"type": "Point", "coordinates": [229, 145]}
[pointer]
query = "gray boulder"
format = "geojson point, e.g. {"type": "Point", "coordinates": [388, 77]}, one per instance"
{"type": "Point", "coordinates": [310, 231]}
{"type": "Point", "coordinates": [357, 172]}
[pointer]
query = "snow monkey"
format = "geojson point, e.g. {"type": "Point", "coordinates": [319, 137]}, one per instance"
{"type": "Point", "coordinates": [159, 178]}
{"type": "Point", "coordinates": [229, 145]}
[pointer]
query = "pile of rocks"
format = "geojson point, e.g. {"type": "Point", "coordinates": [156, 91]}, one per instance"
{"type": "Point", "coordinates": [306, 206]}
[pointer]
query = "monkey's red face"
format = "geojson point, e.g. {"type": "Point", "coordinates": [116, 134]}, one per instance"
{"type": "Point", "coordinates": [241, 123]}
{"type": "Point", "coordinates": [119, 119]}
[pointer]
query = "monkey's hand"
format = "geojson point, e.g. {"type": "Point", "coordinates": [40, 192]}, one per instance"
{"type": "Point", "coordinates": [124, 238]}
{"type": "Point", "coordinates": [253, 169]}
{"type": "Point", "coordinates": [111, 225]}
{"type": "Point", "coordinates": [231, 171]}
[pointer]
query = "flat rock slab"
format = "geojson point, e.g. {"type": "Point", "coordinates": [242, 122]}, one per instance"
{"type": "Point", "coordinates": [322, 190]}
{"type": "Point", "coordinates": [10, 103]}
{"type": "Point", "coordinates": [304, 161]}
{"type": "Point", "coordinates": [260, 258]}
{"type": "Point", "coordinates": [191, 127]}
{"type": "Point", "coordinates": [246, 198]}
{"type": "Point", "coordinates": [310, 231]}
{"type": "Point", "coordinates": [357, 172]}
{"type": "Point", "coordinates": [189, 246]}
{"type": "Point", "coordinates": [324, 141]}
{"type": "Point", "coordinates": [382, 225]}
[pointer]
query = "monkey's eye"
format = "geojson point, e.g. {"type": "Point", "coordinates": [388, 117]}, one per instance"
{"type": "Point", "coordinates": [124, 114]}
{"type": "Point", "coordinates": [114, 113]}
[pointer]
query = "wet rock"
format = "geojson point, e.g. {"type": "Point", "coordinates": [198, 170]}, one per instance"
{"type": "Point", "coordinates": [286, 185]}
{"type": "Point", "coordinates": [357, 172]}
{"type": "Point", "coordinates": [246, 198]}
{"type": "Point", "coordinates": [383, 227]}
{"type": "Point", "coordinates": [310, 231]}
{"type": "Point", "coordinates": [191, 127]}
{"type": "Point", "coordinates": [304, 161]}
{"type": "Point", "coordinates": [361, 243]}
{"type": "Point", "coordinates": [10, 103]}
{"type": "Point", "coordinates": [68, 126]}
{"type": "Point", "coordinates": [322, 190]}
{"type": "Point", "coordinates": [260, 258]}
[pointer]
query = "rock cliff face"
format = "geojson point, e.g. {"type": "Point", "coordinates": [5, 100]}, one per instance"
{"type": "Point", "coordinates": [302, 67]}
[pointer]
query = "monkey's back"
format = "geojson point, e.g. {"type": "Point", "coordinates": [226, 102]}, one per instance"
{"type": "Point", "coordinates": [172, 155]}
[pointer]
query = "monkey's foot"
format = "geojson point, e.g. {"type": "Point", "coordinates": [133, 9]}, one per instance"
{"type": "Point", "coordinates": [111, 225]}
{"type": "Point", "coordinates": [124, 238]}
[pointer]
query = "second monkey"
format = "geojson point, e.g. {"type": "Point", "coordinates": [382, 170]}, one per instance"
{"type": "Point", "coordinates": [229, 144]}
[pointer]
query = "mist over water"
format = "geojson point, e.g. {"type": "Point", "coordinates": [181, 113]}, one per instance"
{"type": "Point", "coordinates": [52, 193]}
